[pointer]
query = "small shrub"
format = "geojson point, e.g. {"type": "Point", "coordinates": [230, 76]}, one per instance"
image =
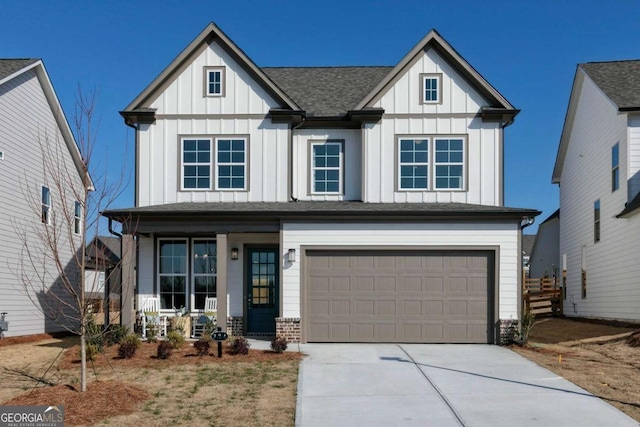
{"type": "Point", "coordinates": [238, 345]}
{"type": "Point", "coordinates": [127, 350]}
{"type": "Point", "coordinates": [176, 339]}
{"type": "Point", "coordinates": [202, 346]}
{"type": "Point", "coordinates": [115, 333]}
{"type": "Point", "coordinates": [279, 344]}
{"type": "Point", "coordinates": [164, 350]}
{"type": "Point", "coordinates": [131, 339]}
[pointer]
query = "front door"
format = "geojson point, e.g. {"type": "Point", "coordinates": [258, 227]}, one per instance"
{"type": "Point", "coordinates": [262, 290]}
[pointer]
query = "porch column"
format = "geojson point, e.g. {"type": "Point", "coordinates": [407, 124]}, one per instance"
{"type": "Point", "coordinates": [222, 255]}
{"type": "Point", "coordinates": [128, 280]}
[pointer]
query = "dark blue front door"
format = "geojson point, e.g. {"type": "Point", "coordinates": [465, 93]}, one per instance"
{"type": "Point", "coordinates": [262, 290]}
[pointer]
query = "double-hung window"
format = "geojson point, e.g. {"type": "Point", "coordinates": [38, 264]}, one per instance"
{"type": "Point", "coordinates": [204, 271]}
{"type": "Point", "coordinates": [413, 167]}
{"type": "Point", "coordinates": [231, 164]}
{"type": "Point", "coordinates": [431, 88]}
{"type": "Point", "coordinates": [214, 81]}
{"type": "Point", "coordinates": [327, 168]}
{"type": "Point", "coordinates": [196, 164]}
{"type": "Point", "coordinates": [615, 167]}
{"type": "Point", "coordinates": [172, 273]}
{"type": "Point", "coordinates": [46, 205]}
{"type": "Point", "coordinates": [77, 217]}
{"type": "Point", "coordinates": [431, 163]}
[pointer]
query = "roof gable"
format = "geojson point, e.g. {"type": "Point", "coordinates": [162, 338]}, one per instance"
{"type": "Point", "coordinates": [11, 68]}
{"type": "Point", "coordinates": [209, 34]}
{"type": "Point", "coordinates": [434, 40]}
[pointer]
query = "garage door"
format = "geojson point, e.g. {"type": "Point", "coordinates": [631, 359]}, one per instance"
{"type": "Point", "coordinates": [391, 296]}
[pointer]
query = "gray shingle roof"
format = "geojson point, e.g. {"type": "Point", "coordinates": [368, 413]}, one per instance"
{"type": "Point", "coordinates": [326, 91]}
{"type": "Point", "coordinates": [10, 66]}
{"type": "Point", "coordinates": [303, 208]}
{"type": "Point", "coordinates": [620, 81]}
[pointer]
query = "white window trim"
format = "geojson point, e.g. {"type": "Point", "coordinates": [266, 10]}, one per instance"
{"type": "Point", "coordinates": [436, 164]}
{"type": "Point", "coordinates": [44, 204]}
{"type": "Point", "coordinates": [430, 76]}
{"type": "Point", "coordinates": [77, 218]}
{"type": "Point", "coordinates": [431, 164]}
{"type": "Point", "coordinates": [159, 275]}
{"type": "Point", "coordinates": [399, 163]}
{"type": "Point", "coordinates": [216, 164]}
{"type": "Point", "coordinates": [207, 71]}
{"type": "Point", "coordinates": [193, 275]}
{"type": "Point", "coordinates": [340, 168]}
{"type": "Point", "coordinates": [183, 163]}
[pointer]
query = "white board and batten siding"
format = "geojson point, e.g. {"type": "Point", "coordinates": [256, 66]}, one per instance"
{"type": "Point", "coordinates": [465, 235]}
{"type": "Point", "coordinates": [456, 115]}
{"type": "Point", "coordinates": [25, 118]}
{"type": "Point", "coordinates": [183, 110]}
{"type": "Point", "coordinates": [612, 267]}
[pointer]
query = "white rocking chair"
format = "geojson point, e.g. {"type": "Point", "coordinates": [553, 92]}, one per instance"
{"type": "Point", "coordinates": [151, 318]}
{"type": "Point", "coordinates": [208, 315]}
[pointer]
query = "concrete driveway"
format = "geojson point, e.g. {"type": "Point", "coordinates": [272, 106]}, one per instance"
{"type": "Point", "coordinates": [366, 385]}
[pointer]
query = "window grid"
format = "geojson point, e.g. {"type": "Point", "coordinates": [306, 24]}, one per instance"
{"type": "Point", "coordinates": [615, 167]}
{"type": "Point", "coordinates": [231, 164]}
{"type": "Point", "coordinates": [596, 221]}
{"type": "Point", "coordinates": [46, 205]}
{"type": "Point", "coordinates": [196, 163]}
{"type": "Point", "coordinates": [449, 163]}
{"type": "Point", "coordinates": [77, 217]}
{"type": "Point", "coordinates": [327, 168]}
{"type": "Point", "coordinates": [204, 271]}
{"type": "Point", "coordinates": [414, 164]}
{"type": "Point", "coordinates": [214, 82]}
{"type": "Point", "coordinates": [172, 273]}
{"type": "Point", "coordinates": [431, 89]}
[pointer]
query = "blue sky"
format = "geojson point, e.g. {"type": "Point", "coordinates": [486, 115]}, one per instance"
{"type": "Point", "coordinates": [527, 50]}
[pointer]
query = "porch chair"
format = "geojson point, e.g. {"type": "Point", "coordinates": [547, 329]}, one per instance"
{"type": "Point", "coordinates": [151, 317]}
{"type": "Point", "coordinates": [208, 315]}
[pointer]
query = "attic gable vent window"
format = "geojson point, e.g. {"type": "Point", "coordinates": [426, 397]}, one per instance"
{"type": "Point", "coordinates": [430, 88]}
{"type": "Point", "coordinates": [214, 81]}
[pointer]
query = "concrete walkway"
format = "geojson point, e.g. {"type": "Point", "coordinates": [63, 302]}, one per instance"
{"type": "Point", "coordinates": [439, 385]}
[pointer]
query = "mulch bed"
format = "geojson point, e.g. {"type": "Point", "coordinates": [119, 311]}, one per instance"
{"type": "Point", "coordinates": [101, 400]}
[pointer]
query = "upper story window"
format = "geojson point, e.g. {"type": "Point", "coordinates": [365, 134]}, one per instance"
{"type": "Point", "coordinates": [430, 88]}
{"type": "Point", "coordinates": [431, 163]}
{"type": "Point", "coordinates": [196, 164]}
{"type": "Point", "coordinates": [413, 164]}
{"type": "Point", "coordinates": [214, 81]}
{"type": "Point", "coordinates": [615, 167]}
{"type": "Point", "coordinates": [231, 166]}
{"type": "Point", "coordinates": [77, 217]}
{"type": "Point", "coordinates": [596, 221]}
{"type": "Point", "coordinates": [46, 205]}
{"type": "Point", "coordinates": [327, 168]}
{"type": "Point", "coordinates": [449, 163]}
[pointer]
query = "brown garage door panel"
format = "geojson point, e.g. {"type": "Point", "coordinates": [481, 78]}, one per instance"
{"type": "Point", "coordinates": [391, 296]}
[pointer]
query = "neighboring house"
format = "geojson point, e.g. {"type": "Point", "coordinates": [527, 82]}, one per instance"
{"type": "Point", "coordinates": [102, 272]}
{"type": "Point", "coordinates": [545, 253]}
{"type": "Point", "coordinates": [33, 204]}
{"type": "Point", "coordinates": [598, 171]}
{"type": "Point", "coordinates": [527, 245]}
{"type": "Point", "coordinates": [327, 203]}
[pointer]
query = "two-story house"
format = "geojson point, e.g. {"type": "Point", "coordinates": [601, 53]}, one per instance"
{"type": "Point", "coordinates": [40, 215]}
{"type": "Point", "coordinates": [598, 171]}
{"type": "Point", "coordinates": [336, 204]}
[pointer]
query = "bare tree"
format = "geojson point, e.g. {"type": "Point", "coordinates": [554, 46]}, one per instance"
{"type": "Point", "coordinates": [53, 261]}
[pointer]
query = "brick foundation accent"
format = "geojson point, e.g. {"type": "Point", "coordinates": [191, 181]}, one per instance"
{"type": "Point", "coordinates": [289, 328]}
{"type": "Point", "coordinates": [509, 331]}
{"type": "Point", "coordinates": [235, 326]}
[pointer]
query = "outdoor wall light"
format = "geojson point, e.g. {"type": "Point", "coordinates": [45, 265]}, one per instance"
{"type": "Point", "coordinates": [291, 255]}
{"type": "Point", "coordinates": [234, 254]}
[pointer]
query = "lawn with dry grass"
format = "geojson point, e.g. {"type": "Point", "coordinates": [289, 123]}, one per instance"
{"type": "Point", "coordinates": [594, 356]}
{"type": "Point", "coordinates": [251, 390]}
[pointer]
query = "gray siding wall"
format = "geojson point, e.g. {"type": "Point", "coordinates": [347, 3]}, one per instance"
{"type": "Point", "coordinates": [25, 118]}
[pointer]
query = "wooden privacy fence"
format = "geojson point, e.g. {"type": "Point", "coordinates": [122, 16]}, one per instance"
{"type": "Point", "coordinates": [542, 297]}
